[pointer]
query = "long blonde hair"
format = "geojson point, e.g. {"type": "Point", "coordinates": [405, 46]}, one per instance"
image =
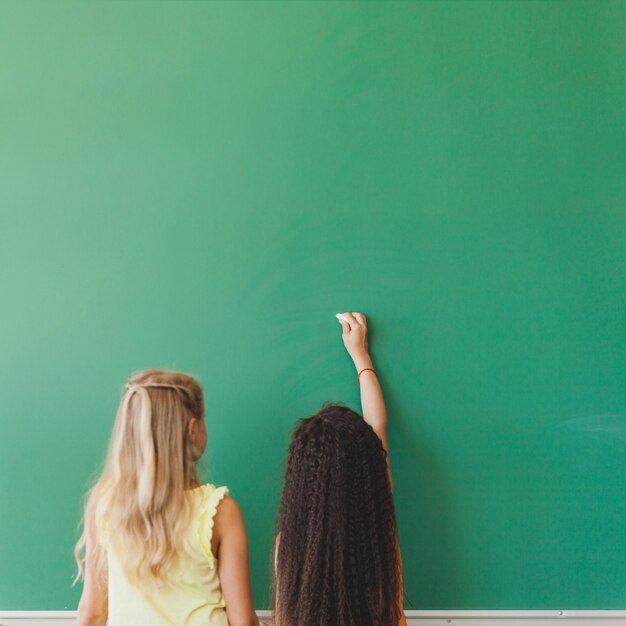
{"type": "Point", "coordinates": [140, 501]}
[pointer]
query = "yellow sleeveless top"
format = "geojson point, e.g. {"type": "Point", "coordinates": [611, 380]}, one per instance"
{"type": "Point", "coordinates": [196, 594]}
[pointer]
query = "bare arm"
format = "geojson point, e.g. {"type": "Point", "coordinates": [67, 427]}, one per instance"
{"type": "Point", "coordinates": [230, 545]}
{"type": "Point", "coordinates": [93, 607]}
{"type": "Point", "coordinates": [372, 401]}
{"type": "Point", "coordinates": [354, 336]}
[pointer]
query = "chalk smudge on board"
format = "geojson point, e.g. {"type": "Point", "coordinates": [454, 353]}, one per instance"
{"type": "Point", "coordinates": [606, 428]}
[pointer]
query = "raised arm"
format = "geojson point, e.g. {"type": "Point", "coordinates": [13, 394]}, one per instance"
{"type": "Point", "coordinates": [372, 402]}
{"type": "Point", "coordinates": [354, 327]}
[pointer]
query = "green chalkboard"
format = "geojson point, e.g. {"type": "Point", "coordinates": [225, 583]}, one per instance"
{"type": "Point", "coordinates": [202, 186]}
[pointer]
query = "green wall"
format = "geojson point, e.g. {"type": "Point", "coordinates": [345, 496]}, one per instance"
{"type": "Point", "coordinates": [204, 185]}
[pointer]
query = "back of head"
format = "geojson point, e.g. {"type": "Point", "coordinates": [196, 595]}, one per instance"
{"type": "Point", "coordinates": [337, 560]}
{"type": "Point", "coordinates": [140, 500]}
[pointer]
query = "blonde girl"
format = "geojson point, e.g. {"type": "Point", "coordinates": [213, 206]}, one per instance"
{"type": "Point", "coordinates": [158, 547]}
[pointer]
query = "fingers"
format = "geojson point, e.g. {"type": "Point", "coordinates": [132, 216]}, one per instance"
{"type": "Point", "coordinates": [344, 323]}
{"type": "Point", "coordinates": [350, 319]}
{"type": "Point", "coordinates": [360, 318]}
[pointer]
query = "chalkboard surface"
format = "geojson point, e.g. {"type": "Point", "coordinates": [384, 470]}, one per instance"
{"type": "Point", "coordinates": [202, 186]}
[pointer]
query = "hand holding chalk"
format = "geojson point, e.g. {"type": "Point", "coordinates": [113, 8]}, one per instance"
{"type": "Point", "coordinates": [354, 335]}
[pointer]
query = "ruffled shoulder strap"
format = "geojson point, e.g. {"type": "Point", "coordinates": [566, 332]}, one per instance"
{"type": "Point", "coordinates": [211, 497]}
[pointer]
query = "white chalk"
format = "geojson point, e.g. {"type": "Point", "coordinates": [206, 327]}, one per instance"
{"type": "Point", "coordinates": [340, 317]}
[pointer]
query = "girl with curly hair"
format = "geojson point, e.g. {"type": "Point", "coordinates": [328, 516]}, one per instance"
{"type": "Point", "coordinates": [337, 558]}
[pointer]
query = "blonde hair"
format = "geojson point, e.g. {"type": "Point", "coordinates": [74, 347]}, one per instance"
{"type": "Point", "coordinates": [140, 502]}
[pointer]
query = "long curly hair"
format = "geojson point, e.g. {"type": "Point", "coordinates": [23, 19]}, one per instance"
{"type": "Point", "coordinates": [337, 561]}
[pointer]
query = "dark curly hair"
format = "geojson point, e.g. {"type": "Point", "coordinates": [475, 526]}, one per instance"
{"type": "Point", "coordinates": [337, 556]}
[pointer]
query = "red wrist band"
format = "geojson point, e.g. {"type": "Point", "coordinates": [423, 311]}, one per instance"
{"type": "Point", "coordinates": [365, 369]}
